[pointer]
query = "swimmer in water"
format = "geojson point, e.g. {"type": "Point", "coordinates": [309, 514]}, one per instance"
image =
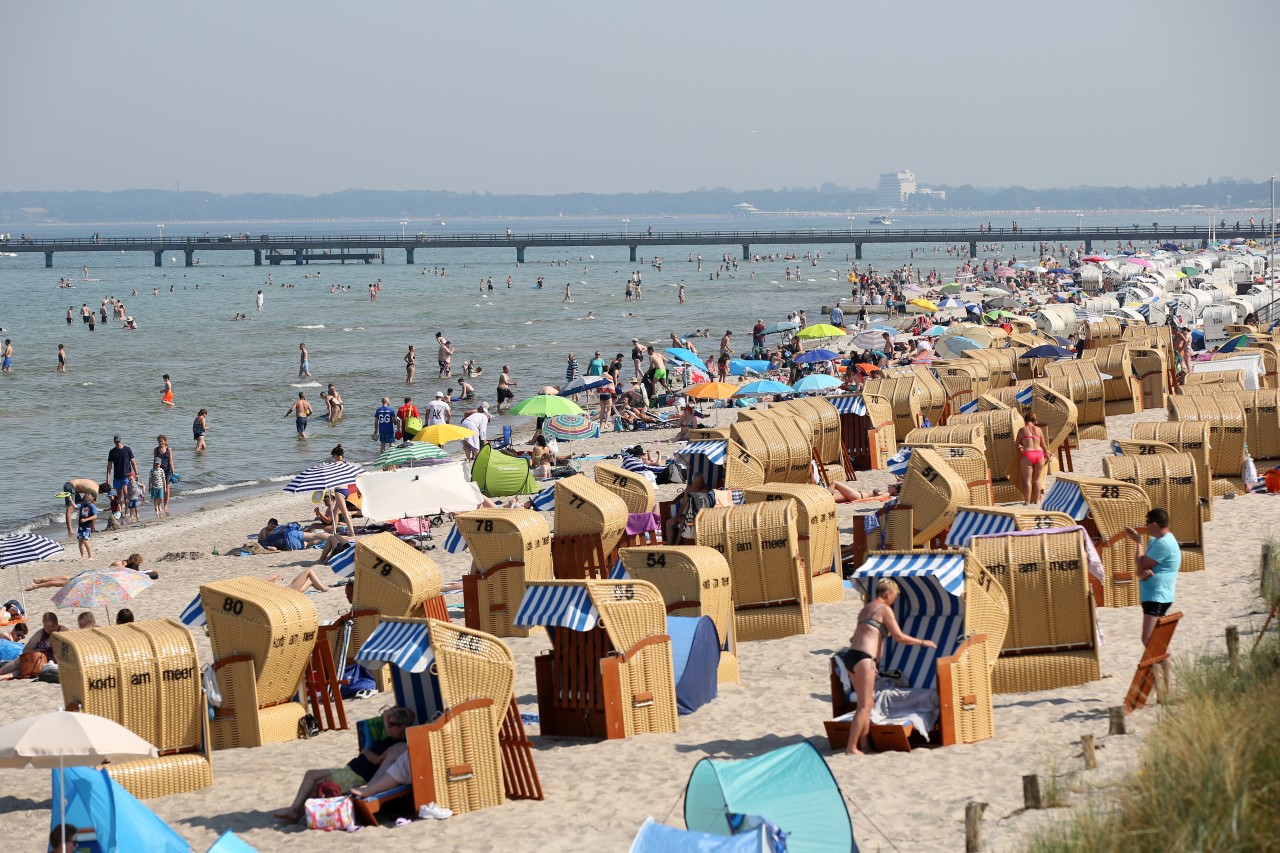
{"type": "Point", "coordinates": [167, 399]}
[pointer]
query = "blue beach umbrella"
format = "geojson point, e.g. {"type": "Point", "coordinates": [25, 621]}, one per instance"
{"type": "Point", "coordinates": [815, 355]}
{"type": "Point", "coordinates": [584, 383]}
{"type": "Point", "coordinates": [934, 331]}
{"type": "Point", "coordinates": [764, 386]}
{"type": "Point", "coordinates": [1238, 341]}
{"type": "Point", "coordinates": [780, 327]}
{"type": "Point", "coordinates": [817, 382]}
{"type": "Point", "coordinates": [1048, 351]}
{"type": "Point", "coordinates": [682, 354]}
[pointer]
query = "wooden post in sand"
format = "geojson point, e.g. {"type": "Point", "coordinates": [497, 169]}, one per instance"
{"type": "Point", "coordinates": [1090, 757]}
{"type": "Point", "coordinates": [973, 827]}
{"type": "Point", "coordinates": [1264, 567]}
{"type": "Point", "coordinates": [1117, 721]}
{"type": "Point", "coordinates": [1031, 798]}
{"type": "Point", "coordinates": [1233, 646]}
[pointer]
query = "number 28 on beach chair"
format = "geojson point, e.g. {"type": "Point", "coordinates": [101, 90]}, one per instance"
{"type": "Point", "coordinates": [1105, 508]}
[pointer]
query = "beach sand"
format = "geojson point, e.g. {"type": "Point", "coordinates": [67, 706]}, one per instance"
{"type": "Point", "coordinates": [599, 793]}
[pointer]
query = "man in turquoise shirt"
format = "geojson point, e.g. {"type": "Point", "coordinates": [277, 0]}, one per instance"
{"type": "Point", "coordinates": [1157, 569]}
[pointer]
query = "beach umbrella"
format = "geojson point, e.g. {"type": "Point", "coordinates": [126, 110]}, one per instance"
{"type": "Point", "coordinates": [687, 356]}
{"type": "Point", "coordinates": [413, 451]}
{"type": "Point", "coordinates": [1060, 271]}
{"type": "Point", "coordinates": [764, 386]}
{"type": "Point", "coordinates": [780, 327]}
{"type": "Point", "coordinates": [868, 339]}
{"type": "Point", "coordinates": [711, 391]}
{"type": "Point", "coordinates": [20, 548]}
{"type": "Point", "coordinates": [953, 287]}
{"type": "Point", "coordinates": [742, 366]}
{"type": "Point", "coordinates": [59, 738]}
{"type": "Point", "coordinates": [1004, 272]}
{"type": "Point", "coordinates": [545, 405]}
{"type": "Point", "coordinates": [1048, 351]}
{"type": "Point", "coordinates": [1238, 341]}
{"type": "Point", "coordinates": [820, 330]}
{"type": "Point", "coordinates": [1142, 262]}
{"type": "Point", "coordinates": [921, 302]}
{"type": "Point", "coordinates": [951, 302]}
{"type": "Point", "coordinates": [951, 346]}
{"type": "Point", "coordinates": [815, 355]}
{"type": "Point", "coordinates": [571, 427]}
{"type": "Point", "coordinates": [1095, 259]}
{"type": "Point", "coordinates": [325, 476]}
{"type": "Point", "coordinates": [92, 589]}
{"type": "Point", "coordinates": [817, 382]}
{"type": "Point", "coordinates": [442, 434]}
{"type": "Point", "coordinates": [581, 384]}
{"type": "Point", "coordinates": [993, 291]}
{"type": "Point", "coordinates": [934, 331]}
{"type": "Point", "coordinates": [1190, 271]}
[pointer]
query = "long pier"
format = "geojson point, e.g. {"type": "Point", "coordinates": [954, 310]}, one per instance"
{"type": "Point", "coordinates": [301, 249]}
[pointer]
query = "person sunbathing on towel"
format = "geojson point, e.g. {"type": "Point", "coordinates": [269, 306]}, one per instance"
{"type": "Point", "coordinates": [844, 493]}
{"type": "Point", "coordinates": [358, 770]}
{"type": "Point", "coordinates": [291, 537]}
{"type": "Point", "coordinates": [306, 579]}
{"type": "Point", "coordinates": [875, 622]}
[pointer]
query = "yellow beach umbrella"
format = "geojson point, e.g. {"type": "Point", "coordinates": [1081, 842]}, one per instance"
{"type": "Point", "coordinates": [441, 434]}
{"type": "Point", "coordinates": [820, 330]}
{"type": "Point", "coordinates": [712, 391]}
{"type": "Point", "coordinates": [925, 304]}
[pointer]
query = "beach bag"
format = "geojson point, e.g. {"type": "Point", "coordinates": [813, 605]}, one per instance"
{"type": "Point", "coordinates": [211, 689]}
{"type": "Point", "coordinates": [329, 813]}
{"type": "Point", "coordinates": [356, 679]}
{"type": "Point", "coordinates": [31, 664]}
{"type": "Point", "coordinates": [412, 427]}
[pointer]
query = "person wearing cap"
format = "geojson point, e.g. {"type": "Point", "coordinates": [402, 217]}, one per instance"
{"type": "Point", "coordinates": [476, 420]}
{"type": "Point", "coordinates": [438, 411]}
{"type": "Point", "coordinates": [757, 334]}
{"type": "Point", "coordinates": [120, 463]}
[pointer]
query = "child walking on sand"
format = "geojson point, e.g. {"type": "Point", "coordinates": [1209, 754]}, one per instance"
{"type": "Point", "coordinates": [135, 497]}
{"type": "Point", "coordinates": [155, 485]}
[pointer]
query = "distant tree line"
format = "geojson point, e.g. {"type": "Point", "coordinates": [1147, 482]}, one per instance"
{"type": "Point", "coordinates": [419, 205]}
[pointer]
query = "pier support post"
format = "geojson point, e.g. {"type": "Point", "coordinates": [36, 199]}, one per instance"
{"type": "Point", "coordinates": [48, 259]}
{"type": "Point", "coordinates": [159, 257]}
{"type": "Point", "coordinates": [297, 257]}
{"type": "Point", "coordinates": [519, 254]}
{"type": "Point", "coordinates": [973, 249]}
{"type": "Point", "coordinates": [633, 253]}
{"type": "Point", "coordinates": [746, 251]}
{"type": "Point", "coordinates": [857, 251]}
{"type": "Point", "coordinates": [408, 256]}
{"type": "Point", "coordinates": [190, 257]}
{"type": "Point", "coordinates": [1088, 247]}
{"type": "Point", "coordinates": [257, 257]}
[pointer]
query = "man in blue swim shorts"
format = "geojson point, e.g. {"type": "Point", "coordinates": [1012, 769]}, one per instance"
{"type": "Point", "coordinates": [120, 464]}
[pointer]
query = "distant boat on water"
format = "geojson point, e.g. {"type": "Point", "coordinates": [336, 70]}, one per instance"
{"type": "Point", "coordinates": [882, 220]}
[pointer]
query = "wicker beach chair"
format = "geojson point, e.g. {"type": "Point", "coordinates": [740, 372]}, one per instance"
{"type": "Point", "coordinates": [969, 461]}
{"type": "Point", "coordinates": [1151, 369]}
{"type": "Point", "coordinates": [1101, 332]}
{"type": "Point", "coordinates": [950, 598]}
{"type": "Point", "coordinates": [510, 547]}
{"type": "Point", "coordinates": [1002, 427]}
{"type": "Point", "coordinates": [723, 463]}
{"type": "Point", "coordinates": [709, 434]}
{"type": "Point", "coordinates": [770, 585]}
{"type": "Point", "coordinates": [1225, 416]}
{"type": "Point", "coordinates": [1261, 422]}
{"type": "Point", "coordinates": [589, 522]}
{"type": "Point", "coordinates": [903, 397]}
{"type": "Point", "coordinates": [1000, 364]}
{"type": "Point", "coordinates": [1122, 391]}
{"type": "Point", "coordinates": [694, 581]}
{"type": "Point", "coordinates": [782, 444]}
{"type": "Point", "coordinates": [971, 521]}
{"type": "Point", "coordinates": [817, 532]}
{"type": "Point", "coordinates": [1058, 417]}
{"type": "Point", "coordinates": [392, 578]}
{"type": "Point", "coordinates": [1081, 380]}
{"type": "Point", "coordinates": [825, 422]}
{"type": "Point", "coordinates": [146, 677]}
{"type": "Point", "coordinates": [469, 747]}
{"type": "Point", "coordinates": [609, 672]}
{"type": "Point", "coordinates": [636, 491]}
{"type": "Point", "coordinates": [1212, 384]}
{"type": "Point", "coordinates": [933, 396]}
{"type": "Point", "coordinates": [262, 637]}
{"type": "Point", "coordinates": [1169, 480]}
{"type": "Point", "coordinates": [1105, 508]}
{"type": "Point", "coordinates": [963, 380]}
{"type": "Point", "coordinates": [1052, 636]}
{"type": "Point", "coordinates": [1186, 437]}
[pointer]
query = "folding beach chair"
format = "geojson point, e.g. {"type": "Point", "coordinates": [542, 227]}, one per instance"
{"type": "Point", "coordinates": [510, 547]}
{"type": "Point", "coordinates": [1155, 653]}
{"type": "Point", "coordinates": [146, 677]}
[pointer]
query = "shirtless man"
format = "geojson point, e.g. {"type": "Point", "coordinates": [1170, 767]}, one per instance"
{"type": "Point", "coordinates": [505, 384]}
{"type": "Point", "coordinates": [725, 345]}
{"type": "Point", "coordinates": [301, 410]}
{"type": "Point", "coordinates": [304, 363]}
{"type": "Point", "coordinates": [73, 488]}
{"type": "Point", "coordinates": [443, 356]}
{"type": "Point", "coordinates": [6, 356]}
{"type": "Point", "coordinates": [658, 364]}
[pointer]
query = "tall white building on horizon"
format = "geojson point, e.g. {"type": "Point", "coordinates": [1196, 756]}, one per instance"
{"type": "Point", "coordinates": [894, 188]}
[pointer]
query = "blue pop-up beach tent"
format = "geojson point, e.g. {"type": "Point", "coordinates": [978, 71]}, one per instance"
{"type": "Point", "coordinates": [120, 822]}
{"type": "Point", "coordinates": [658, 838]}
{"type": "Point", "coordinates": [791, 787]}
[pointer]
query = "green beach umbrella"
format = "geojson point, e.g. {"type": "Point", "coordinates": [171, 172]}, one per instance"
{"type": "Point", "coordinates": [545, 405]}
{"type": "Point", "coordinates": [820, 330]}
{"type": "Point", "coordinates": [413, 451]}
{"type": "Point", "coordinates": [953, 287]}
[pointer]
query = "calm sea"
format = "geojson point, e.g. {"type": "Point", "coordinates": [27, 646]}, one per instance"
{"type": "Point", "coordinates": [56, 426]}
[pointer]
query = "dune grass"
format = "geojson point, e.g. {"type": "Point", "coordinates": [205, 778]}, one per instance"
{"type": "Point", "coordinates": [1210, 773]}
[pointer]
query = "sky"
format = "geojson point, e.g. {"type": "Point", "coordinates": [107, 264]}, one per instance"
{"type": "Point", "coordinates": [313, 96]}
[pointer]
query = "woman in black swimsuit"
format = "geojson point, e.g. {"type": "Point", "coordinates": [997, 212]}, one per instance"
{"type": "Point", "coordinates": [875, 622]}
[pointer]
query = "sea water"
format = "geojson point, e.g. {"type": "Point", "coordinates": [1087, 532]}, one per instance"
{"type": "Point", "coordinates": [57, 426]}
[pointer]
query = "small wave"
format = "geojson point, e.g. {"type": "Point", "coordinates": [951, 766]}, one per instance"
{"type": "Point", "coordinates": [346, 328]}
{"type": "Point", "coordinates": [86, 384]}
{"type": "Point", "coordinates": [40, 522]}
{"type": "Point", "coordinates": [220, 487]}
{"type": "Point", "coordinates": [319, 326]}
{"type": "Point", "coordinates": [305, 385]}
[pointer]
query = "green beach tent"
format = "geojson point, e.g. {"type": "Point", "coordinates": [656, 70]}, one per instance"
{"type": "Point", "coordinates": [499, 475]}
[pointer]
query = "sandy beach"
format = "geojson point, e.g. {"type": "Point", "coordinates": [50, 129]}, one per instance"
{"type": "Point", "coordinates": [598, 794]}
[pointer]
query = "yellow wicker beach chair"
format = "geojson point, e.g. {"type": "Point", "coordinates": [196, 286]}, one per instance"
{"type": "Point", "coordinates": [1082, 382]}
{"type": "Point", "coordinates": [262, 636]}
{"type": "Point", "coordinates": [1186, 437]}
{"type": "Point", "coordinates": [971, 521]}
{"type": "Point", "coordinates": [1101, 332]}
{"type": "Point", "coordinates": [609, 672]}
{"type": "Point", "coordinates": [1123, 391]}
{"type": "Point", "coordinates": [782, 444]}
{"type": "Point", "coordinates": [1002, 427]}
{"type": "Point", "coordinates": [1151, 369]}
{"type": "Point", "coordinates": [1105, 508]}
{"type": "Point", "coordinates": [950, 598]}
{"type": "Point", "coordinates": [817, 532]}
{"type": "Point", "coordinates": [963, 381]}
{"type": "Point", "coordinates": [1169, 480]}
{"type": "Point", "coordinates": [1052, 636]}
{"type": "Point", "coordinates": [770, 586]}
{"type": "Point", "coordinates": [1000, 364]}
{"type": "Point", "coordinates": [903, 397]}
{"type": "Point", "coordinates": [823, 419]}
{"type": "Point", "coordinates": [969, 461]}
{"type": "Point", "coordinates": [709, 434]}
{"type": "Point", "coordinates": [392, 578]}
{"type": "Point", "coordinates": [933, 397]}
{"type": "Point", "coordinates": [589, 523]}
{"type": "Point", "coordinates": [1212, 384]}
{"type": "Point", "coordinates": [1261, 422]}
{"type": "Point", "coordinates": [1058, 418]}
{"type": "Point", "coordinates": [470, 745]}
{"type": "Point", "coordinates": [510, 547]}
{"type": "Point", "coordinates": [146, 677]}
{"type": "Point", "coordinates": [694, 581]}
{"type": "Point", "coordinates": [1226, 420]}
{"type": "Point", "coordinates": [636, 491]}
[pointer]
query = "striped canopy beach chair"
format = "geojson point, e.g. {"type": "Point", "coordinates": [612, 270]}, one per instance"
{"type": "Point", "coordinates": [1105, 508]}
{"type": "Point", "coordinates": [973, 521]}
{"type": "Point", "coordinates": [723, 463]}
{"type": "Point", "coordinates": [509, 547]}
{"type": "Point", "coordinates": [867, 430]}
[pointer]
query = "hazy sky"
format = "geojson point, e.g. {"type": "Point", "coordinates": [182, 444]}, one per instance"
{"type": "Point", "coordinates": [311, 96]}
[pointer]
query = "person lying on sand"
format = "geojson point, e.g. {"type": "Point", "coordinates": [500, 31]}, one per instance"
{"type": "Point", "coordinates": [132, 563]}
{"type": "Point", "coordinates": [306, 579]}
{"type": "Point", "coordinates": [291, 537]}
{"type": "Point", "coordinates": [844, 493]}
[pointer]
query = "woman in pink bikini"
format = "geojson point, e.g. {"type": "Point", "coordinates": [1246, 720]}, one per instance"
{"type": "Point", "coordinates": [1030, 442]}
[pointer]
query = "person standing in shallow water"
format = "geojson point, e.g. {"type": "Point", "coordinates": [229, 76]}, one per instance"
{"type": "Point", "coordinates": [410, 365]}
{"type": "Point", "coordinates": [301, 410]}
{"type": "Point", "coordinates": [304, 363]}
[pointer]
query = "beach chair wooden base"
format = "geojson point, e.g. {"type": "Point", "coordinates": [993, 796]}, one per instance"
{"type": "Point", "coordinates": [884, 738]}
{"type": "Point", "coordinates": [435, 607]}
{"type": "Point", "coordinates": [519, 776]}
{"type": "Point", "coordinates": [1155, 654]}
{"type": "Point", "coordinates": [367, 808]}
{"type": "Point", "coordinates": [455, 761]}
{"type": "Point", "coordinates": [581, 557]}
{"type": "Point", "coordinates": [1049, 671]}
{"type": "Point", "coordinates": [324, 689]}
{"type": "Point", "coordinates": [574, 699]}
{"type": "Point", "coordinates": [484, 602]}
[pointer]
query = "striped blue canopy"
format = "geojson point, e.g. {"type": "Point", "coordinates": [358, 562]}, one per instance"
{"type": "Point", "coordinates": [897, 463]}
{"type": "Point", "coordinates": [343, 564]}
{"type": "Point", "coordinates": [193, 615]}
{"type": "Point", "coordinates": [406, 645]}
{"type": "Point", "coordinates": [714, 451]}
{"type": "Point", "coordinates": [454, 542]}
{"type": "Point", "coordinates": [1065, 496]}
{"type": "Point", "coordinates": [946, 569]}
{"type": "Point", "coordinates": [22, 548]}
{"type": "Point", "coordinates": [325, 476]}
{"type": "Point", "coordinates": [971, 523]}
{"type": "Point", "coordinates": [849, 405]}
{"type": "Point", "coordinates": [557, 607]}
{"type": "Point", "coordinates": [545, 500]}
